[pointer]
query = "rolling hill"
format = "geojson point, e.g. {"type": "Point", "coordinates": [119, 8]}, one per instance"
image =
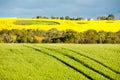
{"type": "Point", "coordinates": [47, 24]}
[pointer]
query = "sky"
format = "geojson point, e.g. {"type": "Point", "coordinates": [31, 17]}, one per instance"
{"type": "Point", "coordinates": [73, 8]}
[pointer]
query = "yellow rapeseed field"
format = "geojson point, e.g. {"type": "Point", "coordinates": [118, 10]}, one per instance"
{"type": "Point", "coordinates": [79, 26]}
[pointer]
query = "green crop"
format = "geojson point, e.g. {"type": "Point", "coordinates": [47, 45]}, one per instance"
{"type": "Point", "coordinates": [59, 61]}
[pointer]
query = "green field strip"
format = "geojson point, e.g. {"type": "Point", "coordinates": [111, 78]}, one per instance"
{"type": "Point", "coordinates": [71, 75]}
{"type": "Point", "coordinates": [108, 54]}
{"type": "Point", "coordinates": [27, 57]}
{"type": "Point", "coordinates": [82, 62]}
{"type": "Point", "coordinates": [99, 67]}
{"type": "Point", "coordinates": [23, 53]}
{"type": "Point", "coordinates": [65, 63]}
{"type": "Point", "coordinates": [93, 60]}
{"type": "Point", "coordinates": [18, 62]}
{"type": "Point", "coordinates": [33, 22]}
{"type": "Point", "coordinates": [43, 62]}
{"type": "Point", "coordinates": [10, 64]}
{"type": "Point", "coordinates": [75, 64]}
{"type": "Point", "coordinates": [91, 63]}
{"type": "Point", "coordinates": [16, 66]}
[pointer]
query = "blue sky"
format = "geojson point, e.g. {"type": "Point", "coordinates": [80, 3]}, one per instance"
{"type": "Point", "coordinates": [73, 8]}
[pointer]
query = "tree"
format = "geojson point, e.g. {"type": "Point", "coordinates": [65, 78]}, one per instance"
{"type": "Point", "coordinates": [81, 38]}
{"type": "Point", "coordinates": [44, 17]}
{"type": "Point", "coordinates": [53, 17]}
{"type": "Point", "coordinates": [102, 35]}
{"type": "Point", "coordinates": [72, 18]}
{"type": "Point", "coordinates": [111, 17]}
{"type": "Point", "coordinates": [118, 35]}
{"type": "Point", "coordinates": [101, 18]}
{"type": "Point", "coordinates": [67, 18]}
{"type": "Point", "coordinates": [1, 39]}
{"type": "Point", "coordinates": [91, 36]}
{"type": "Point", "coordinates": [39, 17]}
{"type": "Point", "coordinates": [70, 36]}
{"type": "Point", "coordinates": [79, 18]}
{"type": "Point", "coordinates": [62, 18]}
{"type": "Point", "coordinates": [111, 37]}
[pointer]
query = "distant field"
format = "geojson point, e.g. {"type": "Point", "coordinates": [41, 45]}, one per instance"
{"type": "Point", "coordinates": [47, 24]}
{"type": "Point", "coordinates": [33, 22]}
{"type": "Point", "coordinates": [59, 61]}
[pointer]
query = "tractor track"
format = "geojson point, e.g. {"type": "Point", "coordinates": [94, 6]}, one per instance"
{"type": "Point", "coordinates": [81, 62]}
{"type": "Point", "coordinates": [93, 60]}
{"type": "Point", "coordinates": [60, 60]}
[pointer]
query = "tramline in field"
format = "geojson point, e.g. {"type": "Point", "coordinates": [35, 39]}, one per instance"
{"type": "Point", "coordinates": [59, 61]}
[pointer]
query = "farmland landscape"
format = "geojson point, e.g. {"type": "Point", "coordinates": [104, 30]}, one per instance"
{"type": "Point", "coordinates": [59, 40]}
{"type": "Point", "coordinates": [26, 61]}
{"type": "Point", "coordinates": [24, 57]}
{"type": "Point", "coordinates": [59, 61]}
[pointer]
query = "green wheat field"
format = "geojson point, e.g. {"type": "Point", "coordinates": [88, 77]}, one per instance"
{"type": "Point", "coordinates": [59, 61]}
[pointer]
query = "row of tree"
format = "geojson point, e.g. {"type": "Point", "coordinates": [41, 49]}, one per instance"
{"type": "Point", "coordinates": [56, 36]}
{"type": "Point", "coordinates": [109, 17]}
{"type": "Point", "coordinates": [61, 18]}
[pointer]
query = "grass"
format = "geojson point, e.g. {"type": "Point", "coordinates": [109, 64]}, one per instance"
{"type": "Point", "coordinates": [59, 61]}
{"type": "Point", "coordinates": [33, 22]}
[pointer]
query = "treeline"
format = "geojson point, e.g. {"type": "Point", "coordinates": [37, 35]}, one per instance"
{"type": "Point", "coordinates": [56, 36]}
{"type": "Point", "coordinates": [109, 17]}
{"type": "Point", "coordinates": [60, 18]}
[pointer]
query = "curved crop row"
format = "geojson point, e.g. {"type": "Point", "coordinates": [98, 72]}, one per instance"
{"type": "Point", "coordinates": [88, 62]}
{"type": "Point", "coordinates": [87, 72]}
{"type": "Point", "coordinates": [59, 62]}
